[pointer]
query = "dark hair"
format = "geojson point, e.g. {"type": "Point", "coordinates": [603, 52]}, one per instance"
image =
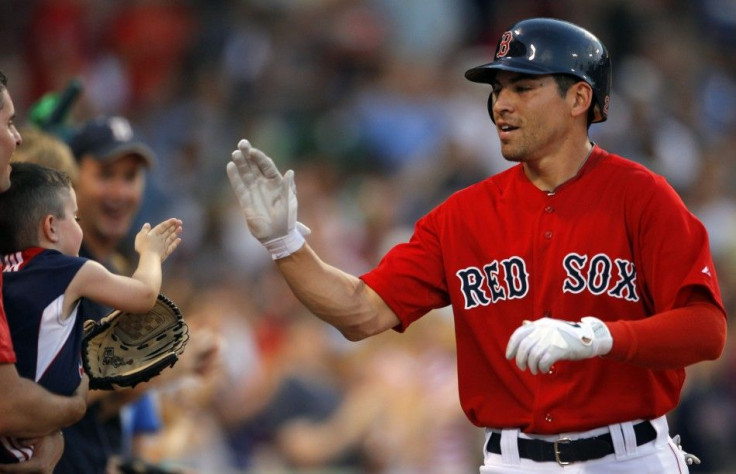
{"type": "Point", "coordinates": [35, 192]}
{"type": "Point", "coordinates": [564, 83]}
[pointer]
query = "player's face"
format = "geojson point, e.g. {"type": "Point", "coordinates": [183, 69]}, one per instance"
{"type": "Point", "coordinates": [9, 138]}
{"type": "Point", "coordinates": [109, 195]}
{"type": "Point", "coordinates": [529, 114]}
{"type": "Point", "coordinates": [70, 232]}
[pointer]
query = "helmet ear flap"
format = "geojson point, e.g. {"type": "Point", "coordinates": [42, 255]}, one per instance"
{"type": "Point", "coordinates": [490, 106]}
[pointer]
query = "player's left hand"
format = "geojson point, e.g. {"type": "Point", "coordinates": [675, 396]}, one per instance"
{"type": "Point", "coordinates": [539, 344]}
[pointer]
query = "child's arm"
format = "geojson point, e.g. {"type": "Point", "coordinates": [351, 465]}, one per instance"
{"type": "Point", "coordinates": [137, 293]}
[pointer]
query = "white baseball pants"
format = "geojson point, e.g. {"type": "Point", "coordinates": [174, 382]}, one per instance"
{"type": "Point", "coordinates": [660, 456]}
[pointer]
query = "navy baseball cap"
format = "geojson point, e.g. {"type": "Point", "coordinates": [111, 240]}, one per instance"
{"type": "Point", "coordinates": [108, 138]}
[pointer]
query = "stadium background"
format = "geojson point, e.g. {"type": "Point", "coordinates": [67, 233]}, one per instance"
{"type": "Point", "coordinates": [366, 100]}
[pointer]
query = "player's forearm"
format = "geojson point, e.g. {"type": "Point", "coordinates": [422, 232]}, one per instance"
{"type": "Point", "coordinates": [27, 410]}
{"type": "Point", "coordinates": [672, 339]}
{"type": "Point", "coordinates": [338, 298]}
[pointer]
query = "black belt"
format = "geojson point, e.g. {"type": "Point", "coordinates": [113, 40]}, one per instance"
{"type": "Point", "coordinates": [566, 451]}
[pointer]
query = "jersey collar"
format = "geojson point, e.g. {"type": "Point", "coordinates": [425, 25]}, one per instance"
{"type": "Point", "coordinates": [17, 260]}
{"type": "Point", "coordinates": [594, 157]}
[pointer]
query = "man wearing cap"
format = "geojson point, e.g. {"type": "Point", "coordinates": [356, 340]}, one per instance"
{"type": "Point", "coordinates": [112, 166]}
{"type": "Point", "coordinates": [112, 174]}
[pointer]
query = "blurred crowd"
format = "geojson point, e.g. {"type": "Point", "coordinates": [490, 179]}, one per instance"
{"type": "Point", "coordinates": [367, 102]}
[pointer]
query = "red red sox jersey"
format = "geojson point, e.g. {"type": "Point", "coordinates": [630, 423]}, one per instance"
{"type": "Point", "coordinates": [614, 242]}
{"type": "Point", "coordinates": [7, 354]}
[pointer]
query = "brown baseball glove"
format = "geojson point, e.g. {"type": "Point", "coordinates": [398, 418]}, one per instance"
{"type": "Point", "coordinates": [124, 349]}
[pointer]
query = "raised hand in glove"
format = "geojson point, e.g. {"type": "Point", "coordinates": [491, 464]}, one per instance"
{"type": "Point", "coordinates": [267, 199]}
{"type": "Point", "coordinates": [539, 344]}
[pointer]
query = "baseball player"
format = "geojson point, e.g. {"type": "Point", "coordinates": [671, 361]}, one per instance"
{"type": "Point", "coordinates": [581, 285]}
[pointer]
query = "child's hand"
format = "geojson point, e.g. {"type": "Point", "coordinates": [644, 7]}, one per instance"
{"type": "Point", "coordinates": [162, 239]}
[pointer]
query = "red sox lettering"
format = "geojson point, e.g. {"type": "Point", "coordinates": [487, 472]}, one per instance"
{"type": "Point", "coordinates": [509, 279]}
{"type": "Point", "coordinates": [596, 276]}
{"type": "Point", "coordinates": [514, 283]}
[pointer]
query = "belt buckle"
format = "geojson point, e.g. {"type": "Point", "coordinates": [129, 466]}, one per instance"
{"type": "Point", "coordinates": [557, 450]}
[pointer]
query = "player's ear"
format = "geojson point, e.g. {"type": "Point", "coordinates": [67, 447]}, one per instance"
{"type": "Point", "coordinates": [49, 229]}
{"type": "Point", "coordinates": [582, 97]}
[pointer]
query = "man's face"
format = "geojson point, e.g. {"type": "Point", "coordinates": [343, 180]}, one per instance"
{"type": "Point", "coordinates": [109, 195]}
{"type": "Point", "coordinates": [531, 117]}
{"type": "Point", "coordinates": [9, 139]}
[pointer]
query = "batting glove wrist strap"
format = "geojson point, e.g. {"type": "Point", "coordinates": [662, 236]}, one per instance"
{"type": "Point", "coordinates": [600, 338]}
{"type": "Point", "coordinates": [284, 246]}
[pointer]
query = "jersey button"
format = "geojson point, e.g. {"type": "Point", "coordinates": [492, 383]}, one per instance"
{"type": "Point", "coordinates": [548, 235]}
{"type": "Point", "coordinates": [548, 418]}
{"type": "Point", "coordinates": [549, 209]}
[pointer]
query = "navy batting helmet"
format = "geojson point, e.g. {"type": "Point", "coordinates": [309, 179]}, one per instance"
{"type": "Point", "coordinates": [549, 46]}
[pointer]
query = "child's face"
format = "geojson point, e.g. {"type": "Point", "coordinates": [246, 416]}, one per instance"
{"type": "Point", "coordinates": [69, 230]}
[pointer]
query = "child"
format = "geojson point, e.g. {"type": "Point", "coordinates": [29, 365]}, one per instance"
{"type": "Point", "coordinates": [45, 279]}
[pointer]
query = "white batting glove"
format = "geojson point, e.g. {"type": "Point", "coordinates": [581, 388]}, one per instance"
{"type": "Point", "coordinates": [267, 199]}
{"type": "Point", "coordinates": [539, 344]}
{"type": "Point", "coordinates": [690, 459]}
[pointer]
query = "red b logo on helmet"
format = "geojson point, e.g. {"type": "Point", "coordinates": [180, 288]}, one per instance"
{"type": "Point", "coordinates": [503, 45]}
